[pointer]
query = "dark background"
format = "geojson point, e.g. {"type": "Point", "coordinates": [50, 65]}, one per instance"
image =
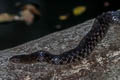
{"type": "Point", "coordinates": [15, 33]}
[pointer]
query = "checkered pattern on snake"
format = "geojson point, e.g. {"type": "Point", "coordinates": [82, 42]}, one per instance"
{"type": "Point", "coordinates": [84, 48]}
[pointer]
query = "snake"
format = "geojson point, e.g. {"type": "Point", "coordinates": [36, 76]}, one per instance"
{"type": "Point", "coordinates": [85, 47]}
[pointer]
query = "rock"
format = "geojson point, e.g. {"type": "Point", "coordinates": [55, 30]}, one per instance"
{"type": "Point", "coordinates": [102, 64]}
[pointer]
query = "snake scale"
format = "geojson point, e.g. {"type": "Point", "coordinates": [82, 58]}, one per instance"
{"type": "Point", "coordinates": [83, 49]}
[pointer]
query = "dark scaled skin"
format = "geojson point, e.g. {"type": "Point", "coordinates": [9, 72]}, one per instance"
{"type": "Point", "coordinates": [84, 48]}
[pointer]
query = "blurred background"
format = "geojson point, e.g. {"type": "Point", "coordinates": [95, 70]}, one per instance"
{"type": "Point", "coordinates": [56, 15]}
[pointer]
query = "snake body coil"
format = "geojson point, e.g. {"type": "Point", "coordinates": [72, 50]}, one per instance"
{"type": "Point", "coordinates": [84, 48]}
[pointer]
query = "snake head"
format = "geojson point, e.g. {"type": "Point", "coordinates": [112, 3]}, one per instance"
{"type": "Point", "coordinates": [115, 19]}
{"type": "Point", "coordinates": [18, 58]}
{"type": "Point", "coordinates": [39, 56]}
{"type": "Point", "coordinates": [27, 58]}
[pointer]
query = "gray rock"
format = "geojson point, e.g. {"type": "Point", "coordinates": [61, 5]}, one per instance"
{"type": "Point", "coordinates": [102, 64]}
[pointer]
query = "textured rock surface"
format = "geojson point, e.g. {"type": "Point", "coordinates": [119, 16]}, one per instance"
{"type": "Point", "coordinates": [102, 64]}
